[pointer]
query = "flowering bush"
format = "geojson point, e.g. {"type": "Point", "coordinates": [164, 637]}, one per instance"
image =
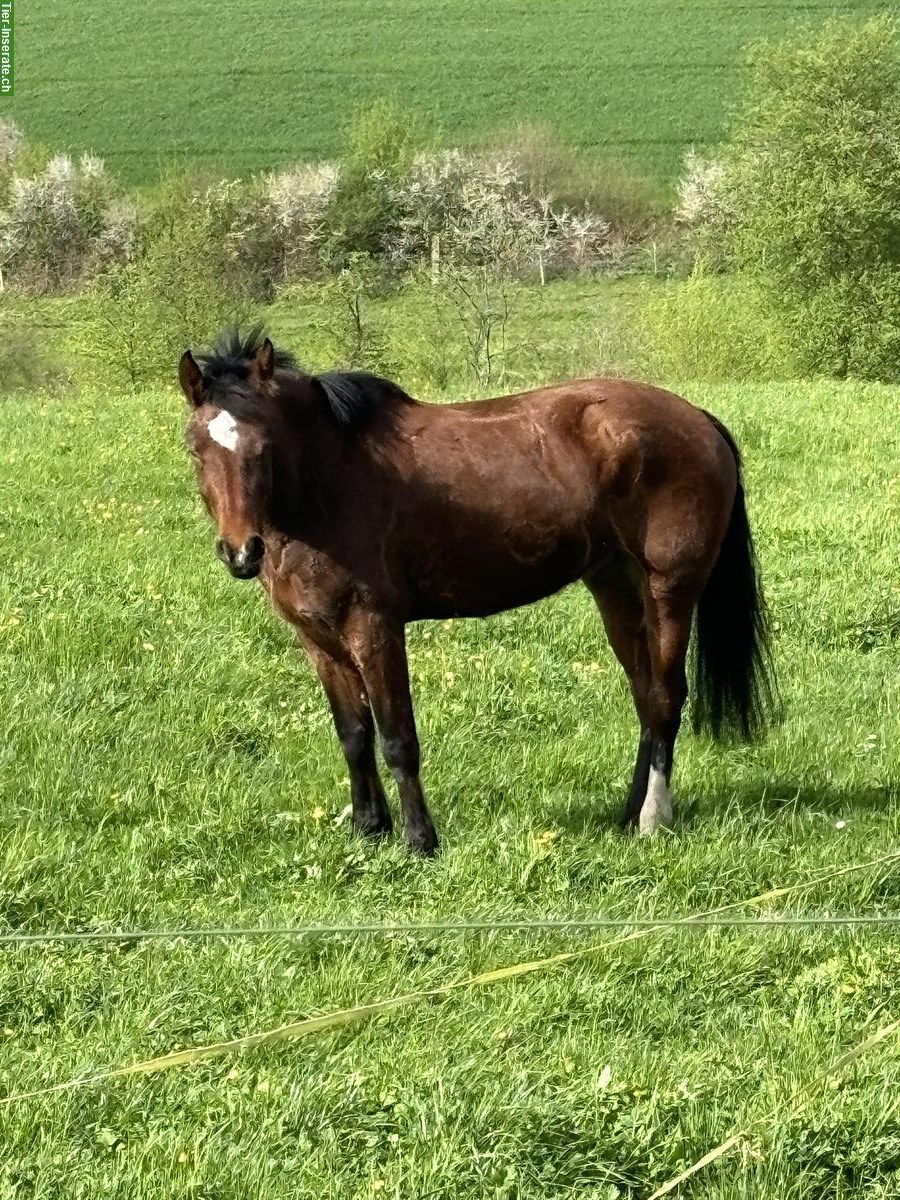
{"type": "Point", "coordinates": [12, 141]}
{"type": "Point", "coordinates": [470, 209]}
{"type": "Point", "coordinates": [297, 203]}
{"type": "Point", "coordinates": [701, 194]}
{"type": "Point", "coordinates": [278, 229]}
{"type": "Point", "coordinates": [63, 224]}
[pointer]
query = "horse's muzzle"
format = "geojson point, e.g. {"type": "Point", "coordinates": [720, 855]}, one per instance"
{"type": "Point", "coordinates": [245, 562]}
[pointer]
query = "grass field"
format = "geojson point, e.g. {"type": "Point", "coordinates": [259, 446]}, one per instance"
{"type": "Point", "coordinates": [167, 760]}
{"type": "Point", "coordinates": [275, 82]}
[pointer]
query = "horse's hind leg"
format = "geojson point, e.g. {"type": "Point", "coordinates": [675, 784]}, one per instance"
{"type": "Point", "coordinates": [668, 607]}
{"type": "Point", "coordinates": [617, 588]}
{"type": "Point", "coordinates": [356, 732]}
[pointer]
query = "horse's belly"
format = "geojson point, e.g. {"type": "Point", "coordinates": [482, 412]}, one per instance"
{"type": "Point", "coordinates": [472, 583]}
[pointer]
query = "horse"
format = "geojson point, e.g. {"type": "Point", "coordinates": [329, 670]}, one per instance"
{"type": "Point", "coordinates": [361, 510]}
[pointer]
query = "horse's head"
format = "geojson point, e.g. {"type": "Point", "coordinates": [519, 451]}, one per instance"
{"type": "Point", "coordinates": [230, 441]}
{"type": "Point", "coordinates": [252, 413]}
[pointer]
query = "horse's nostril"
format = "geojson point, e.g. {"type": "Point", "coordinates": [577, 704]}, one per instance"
{"type": "Point", "coordinates": [245, 561]}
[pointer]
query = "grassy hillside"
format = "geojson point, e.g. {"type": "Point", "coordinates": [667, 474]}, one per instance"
{"type": "Point", "coordinates": [267, 82]}
{"type": "Point", "coordinates": [167, 759]}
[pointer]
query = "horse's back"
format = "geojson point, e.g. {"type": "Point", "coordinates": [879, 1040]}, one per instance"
{"type": "Point", "coordinates": [652, 429]}
{"type": "Point", "coordinates": [619, 427]}
{"type": "Point", "coordinates": [622, 403]}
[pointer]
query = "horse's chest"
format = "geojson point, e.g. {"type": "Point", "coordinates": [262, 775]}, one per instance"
{"type": "Point", "coordinates": [302, 596]}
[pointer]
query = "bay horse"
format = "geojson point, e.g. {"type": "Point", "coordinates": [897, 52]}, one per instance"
{"type": "Point", "coordinates": [362, 509]}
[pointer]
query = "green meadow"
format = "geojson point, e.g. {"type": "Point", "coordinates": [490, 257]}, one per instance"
{"type": "Point", "coordinates": [168, 761]}
{"type": "Point", "coordinates": [269, 82]}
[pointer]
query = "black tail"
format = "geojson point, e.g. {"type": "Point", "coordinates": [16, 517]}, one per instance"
{"type": "Point", "coordinates": [735, 691]}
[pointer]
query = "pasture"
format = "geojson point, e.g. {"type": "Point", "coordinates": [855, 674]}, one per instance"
{"type": "Point", "coordinates": [277, 83]}
{"type": "Point", "coordinates": [168, 760]}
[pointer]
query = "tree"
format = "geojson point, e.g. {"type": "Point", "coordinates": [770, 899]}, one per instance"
{"type": "Point", "coordinates": [812, 192]}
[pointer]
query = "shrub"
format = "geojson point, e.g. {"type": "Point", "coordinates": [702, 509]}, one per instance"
{"type": "Point", "coordinates": [361, 217]}
{"type": "Point", "coordinates": [297, 203]}
{"type": "Point", "coordinates": [583, 183]}
{"type": "Point", "coordinates": [713, 328]}
{"type": "Point", "coordinates": [702, 217]}
{"type": "Point", "coordinates": [425, 202]}
{"type": "Point", "coordinates": [195, 216]}
{"type": "Point", "coordinates": [850, 326]}
{"type": "Point", "coordinates": [812, 188]}
{"type": "Point", "coordinates": [494, 222]}
{"type": "Point", "coordinates": [65, 223]}
{"type": "Point", "coordinates": [144, 313]}
{"type": "Point", "coordinates": [468, 210]}
{"type": "Point", "coordinates": [702, 198]}
{"type": "Point", "coordinates": [578, 241]}
{"type": "Point", "coordinates": [272, 229]}
{"type": "Point", "coordinates": [481, 303]}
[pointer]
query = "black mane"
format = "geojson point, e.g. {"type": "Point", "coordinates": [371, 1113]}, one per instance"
{"type": "Point", "coordinates": [354, 397]}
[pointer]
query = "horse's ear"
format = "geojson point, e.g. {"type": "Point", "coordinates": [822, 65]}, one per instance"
{"type": "Point", "coordinates": [262, 365]}
{"type": "Point", "coordinates": [191, 379]}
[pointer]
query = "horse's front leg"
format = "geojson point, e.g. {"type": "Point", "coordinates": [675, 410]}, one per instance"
{"type": "Point", "coordinates": [379, 650]}
{"type": "Point", "coordinates": [356, 732]}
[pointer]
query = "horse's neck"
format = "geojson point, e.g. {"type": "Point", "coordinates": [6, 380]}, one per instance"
{"type": "Point", "coordinates": [323, 478]}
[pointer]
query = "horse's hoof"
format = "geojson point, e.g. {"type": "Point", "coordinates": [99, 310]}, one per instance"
{"type": "Point", "coordinates": [378, 826]}
{"type": "Point", "coordinates": [656, 811]}
{"type": "Point", "coordinates": [424, 842]}
{"type": "Point", "coordinates": [655, 818]}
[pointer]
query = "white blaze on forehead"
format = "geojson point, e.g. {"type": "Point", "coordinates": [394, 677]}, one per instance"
{"type": "Point", "coordinates": [223, 429]}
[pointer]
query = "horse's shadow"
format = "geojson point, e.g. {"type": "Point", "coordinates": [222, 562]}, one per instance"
{"type": "Point", "coordinates": [761, 800]}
